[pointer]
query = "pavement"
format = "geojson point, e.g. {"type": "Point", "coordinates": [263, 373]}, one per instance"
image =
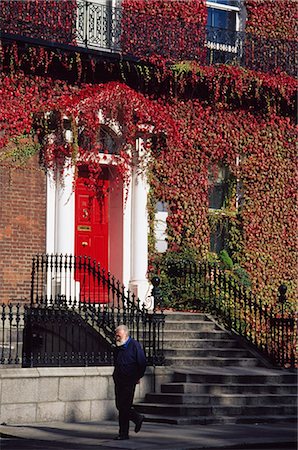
{"type": "Point", "coordinates": [99, 436]}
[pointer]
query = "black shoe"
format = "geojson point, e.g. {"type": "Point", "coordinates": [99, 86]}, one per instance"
{"type": "Point", "coordinates": [120, 438]}
{"type": "Point", "coordinates": [139, 424]}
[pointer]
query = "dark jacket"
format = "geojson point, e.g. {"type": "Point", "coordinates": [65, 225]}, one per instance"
{"type": "Point", "coordinates": [129, 362]}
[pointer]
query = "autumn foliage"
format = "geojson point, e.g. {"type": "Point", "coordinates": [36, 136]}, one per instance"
{"type": "Point", "coordinates": [205, 117]}
{"type": "Point", "coordinates": [274, 19]}
{"type": "Point", "coordinates": [164, 30]}
{"type": "Point", "coordinates": [44, 19]}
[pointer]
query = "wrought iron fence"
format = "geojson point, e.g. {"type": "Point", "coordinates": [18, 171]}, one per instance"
{"type": "Point", "coordinates": [74, 310]}
{"type": "Point", "coordinates": [253, 52]}
{"type": "Point", "coordinates": [272, 329]}
{"type": "Point", "coordinates": [269, 55]}
{"type": "Point", "coordinates": [11, 334]}
{"type": "Point", "coordinates": [98, 26]}
{"type": "Point", "coordinates": [224, 46]}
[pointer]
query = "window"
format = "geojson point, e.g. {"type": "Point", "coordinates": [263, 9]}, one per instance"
{"type": "Point", "coordinates": [219, 18]}
{"type": "Point", "coordinates": [219, 236]}
{"type": "Point", "coordinates": [225, 199]}
{"type": "Point", "coordinates": [218, 191]}
{"type": "Point", "coordinates": [160, 228]}
{"type": "Point", "coordinates": [224, 14]}
{"type": "Point", "coordinates": [226, 2]}
{"type": "Point", "coordinates": [223, 25]}
{"type": "Point", "coordinates": [219, 178]}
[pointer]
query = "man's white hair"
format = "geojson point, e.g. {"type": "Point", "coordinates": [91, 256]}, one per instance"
{"type": "Point", "coordinates": [123, 328]}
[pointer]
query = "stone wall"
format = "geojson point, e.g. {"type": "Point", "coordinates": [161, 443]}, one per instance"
{"type": "Point", "coordinates": [72, 394]}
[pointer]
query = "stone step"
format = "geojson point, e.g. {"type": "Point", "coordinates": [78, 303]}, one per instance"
{"type": "Point", "coordinates": [211, 352]}
{"type": "Point", "coordinates": [185, 316]}
{"type": "Point", "coordinates": [208, 420]}
{"type": "Point", "coordinates": [191, 325]}
{"type": "Point", "coordinates": [185, 335]}
{"type": "Point", "coordinates": [201, 343]}
{"type": "Point", "coordinates": [209, 361]}
{"type": "Point", "coordinates": [217, 380]}
{"type": "Point", "coordinates": [207, 376]}
{"type": "Point", "coordinates": [216, 410]}
{"type": "Point", "coordinates": [216, 389]}
{"type": "Point", "coordinates": [222, 399]}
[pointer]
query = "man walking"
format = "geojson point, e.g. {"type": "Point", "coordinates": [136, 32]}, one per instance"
{"type": "Point", "coordinates": [130, 365]}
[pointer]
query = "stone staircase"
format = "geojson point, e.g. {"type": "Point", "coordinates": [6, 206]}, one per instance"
{"type": "Point", "coordinates": [215, 379]}
{"type": "Point", "coordinates": [196, 340]}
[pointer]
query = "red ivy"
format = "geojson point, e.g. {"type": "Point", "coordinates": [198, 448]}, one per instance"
{"type": "Point", "coordinates": [273, 19]}
{"type": "Point", "coordinates": [50, 20]}
{"type": "Point", "coordinates": [237, 85]}
{"type": "Point", "coordinates": [164, 30]}
{"type": "Point", "coordinates": [193, 137]}
{"type": "Point", "coordinates": [267, 148]}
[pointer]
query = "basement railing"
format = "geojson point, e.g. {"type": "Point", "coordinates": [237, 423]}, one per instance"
{"type": "Point", "coordinates": [272, 329]}
{"type": "Point", "coordinates": [75, 308]}
{"type": "Point", "coordinates": [94, 26]}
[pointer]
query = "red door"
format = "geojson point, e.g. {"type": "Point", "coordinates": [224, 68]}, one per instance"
{"type": "Point", "coordinates": [91, 237]}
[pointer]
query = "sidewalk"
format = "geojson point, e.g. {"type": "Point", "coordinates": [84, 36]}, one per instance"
{"type": "Point", "coordinates": [99, 436]}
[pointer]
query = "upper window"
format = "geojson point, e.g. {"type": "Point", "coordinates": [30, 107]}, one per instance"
{"type": "Point", "coordinates": [226, 2]}
{"type": "Point", "coordinates": [218, 191]}
{"type": "Point", "coordinates": [224, 21]}
{"type": "Point", "coordinates": [219, 18]}
{"type": "Point", "coordinates": [223, 14]}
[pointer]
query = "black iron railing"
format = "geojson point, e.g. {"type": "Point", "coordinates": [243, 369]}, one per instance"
{"type": "Point", "coordinates": [74, 310]}
{"type": "Point", "coordinates": [11, 334]}
{"type": "Point", "coordinates": [98, 26]}
{"type": "Point", "coordinates": [76, 285]}
{"type": "Point", "coordinates": [269, 55]}
{"type": "Point", "coordinates": [272, 329]}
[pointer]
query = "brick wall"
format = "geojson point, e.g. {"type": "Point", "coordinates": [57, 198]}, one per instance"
{"type": "Point", "coordinates": [22, 227]}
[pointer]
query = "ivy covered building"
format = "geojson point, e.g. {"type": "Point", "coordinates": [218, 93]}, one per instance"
{"type": "Point", "coordinates": [140, 132]}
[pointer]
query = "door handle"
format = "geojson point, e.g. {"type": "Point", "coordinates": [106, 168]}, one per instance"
{"type": "Point", "coordinates": [84, 244]}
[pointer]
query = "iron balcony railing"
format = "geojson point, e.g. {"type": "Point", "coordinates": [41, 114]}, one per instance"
{"type": "Point", "coordinates": [74, 310]}
{"type": "Point", "coordinates": [272, 329]}
{"type": "Point", "coordinates": [98, 27]}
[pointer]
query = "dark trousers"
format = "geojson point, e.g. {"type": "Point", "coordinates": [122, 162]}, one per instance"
{"type": "Point", "coordinates": [124, 394]}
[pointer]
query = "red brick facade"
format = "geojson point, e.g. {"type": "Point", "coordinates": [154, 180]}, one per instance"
{"type": "Point", "coordinates": [22, 227]}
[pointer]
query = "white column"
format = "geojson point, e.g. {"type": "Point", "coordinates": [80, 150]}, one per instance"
{"type": "Point", "coordinates": [139, 228]}
{"type": "Point", "coordinates": [65, 230]}
{"type": "Point", "coordinates": [51, 214]}
{"type": "Point", "coordinates": [65, 206]}
{"type": "Point", "coordinates": [127, 235]}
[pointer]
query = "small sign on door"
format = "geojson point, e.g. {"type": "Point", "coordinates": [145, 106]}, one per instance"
{"type": "Point", "coordinates": [84, 228]}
